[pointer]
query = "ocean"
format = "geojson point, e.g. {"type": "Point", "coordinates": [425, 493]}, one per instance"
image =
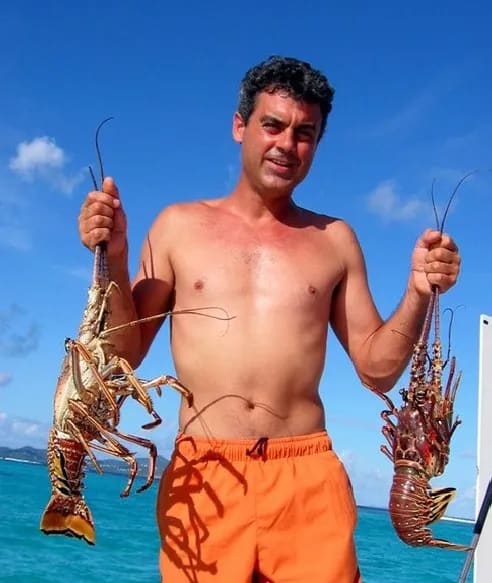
{"type": "Point", "coordinates": [127, 542]}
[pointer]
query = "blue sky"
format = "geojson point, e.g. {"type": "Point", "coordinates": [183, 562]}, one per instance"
{"type": "Point", "coordinates": [412, 105]}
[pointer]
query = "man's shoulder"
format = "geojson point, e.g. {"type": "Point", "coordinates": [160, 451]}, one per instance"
{"type": "Point", "coordinates": [338, 234]}
{"type": "Point", "coordinates": [332, 225]}
{"type": "Point", "coordinates": [186, 211]}
{"type": "Point", "coordinates": [343, 234]}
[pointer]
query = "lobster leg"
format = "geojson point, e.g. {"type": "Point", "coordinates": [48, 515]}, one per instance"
{"type": "Point", "coordinates": [172, 382]}
{"type": "Point", "coordinates": [387, 453]}
{"type": "Point", "coordinates": [80, 437]}
{"type": "Point", "coordinates": [152, 456]}
{"type": "Point", "coordinates": [77, 349]}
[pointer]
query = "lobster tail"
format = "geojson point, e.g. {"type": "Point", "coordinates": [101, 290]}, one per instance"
{"type": "Point", "coordinates": [69, 516]}
{"type": "Point", "coordinates": [67, 512]}
{"type": "Point", "coordinates": [413, 506]}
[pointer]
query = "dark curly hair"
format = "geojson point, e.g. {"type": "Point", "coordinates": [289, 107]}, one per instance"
{"type": "Point", "coordinates": [295, 78]}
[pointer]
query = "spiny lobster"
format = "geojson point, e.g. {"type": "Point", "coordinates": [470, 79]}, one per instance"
{"type": "Point", "coordinates": [419, 439]}
{"type": "Point", "coordinates": [93, 385]}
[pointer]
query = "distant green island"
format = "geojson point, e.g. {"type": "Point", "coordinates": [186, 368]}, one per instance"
{"type": "Point", "coordinates": [34, 455]}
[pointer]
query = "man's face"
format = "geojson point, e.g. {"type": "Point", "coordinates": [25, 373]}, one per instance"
{"type": "Point", "coordinates": [278, 142]}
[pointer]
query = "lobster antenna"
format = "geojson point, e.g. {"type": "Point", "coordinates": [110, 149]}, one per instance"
{"type": "Point", "coordinates": [100, 267]}
{"type": "Point", "coordinates": [434, 208]}
{"type": "Point", "coordinates": [192, 311]}
{"type": "Point", "coordinates": [452, 312]}
{"type": "Point", "coordinates": [94, 181]}
{"type": "Point", "coordinates": [449, 334]}
{"type": "Point", "coordinates": [396, 331]}
{"type": "Point", "coordinates": [99, 155]}
{"type": "Point", "coordinates": [456, 188]}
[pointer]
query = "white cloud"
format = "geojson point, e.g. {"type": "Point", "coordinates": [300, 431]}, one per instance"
{"type": "Point", "coordinates": [36, 155]}
{"type": "Point", "coordinates": [42, 159]}
{"type": "Point", "coordinates": [371, 484]}
{"type": "Point", "coordinates": [18, 432]}
{"type": "Point", "coordinates": [385, 201]}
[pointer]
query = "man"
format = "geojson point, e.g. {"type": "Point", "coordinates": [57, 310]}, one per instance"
{"type": "Point", "coordinates": [254, 490]}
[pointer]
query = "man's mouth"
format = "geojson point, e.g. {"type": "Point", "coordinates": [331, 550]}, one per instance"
{"type": "Point", "coordinates": [282, 162]}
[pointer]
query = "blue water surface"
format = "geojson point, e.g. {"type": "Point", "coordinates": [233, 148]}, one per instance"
{"type": "Point", "coordinates": [127, 543]}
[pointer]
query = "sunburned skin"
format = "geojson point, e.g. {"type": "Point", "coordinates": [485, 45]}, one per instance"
{"type": "Point", "coordinates": [258, 373]}
{"type": "Point", "coordinates": [281, 273]}
{"type": "Point", "coordinates": [265, 279]}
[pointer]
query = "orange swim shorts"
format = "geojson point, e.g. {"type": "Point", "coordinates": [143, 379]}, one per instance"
{"type": "Point", "coordinates": [271, 511]}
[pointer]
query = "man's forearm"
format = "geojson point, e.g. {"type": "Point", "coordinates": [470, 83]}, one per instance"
{"type": "Point", "coordinates": [389, 349]}
{"type": "Point", "coordinates": [127, 340]}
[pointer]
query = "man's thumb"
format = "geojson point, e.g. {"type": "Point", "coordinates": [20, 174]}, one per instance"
{"type": "Point", "coordinates": [430, 238]}
{"type": "Point", "coordinates": [109, 187]}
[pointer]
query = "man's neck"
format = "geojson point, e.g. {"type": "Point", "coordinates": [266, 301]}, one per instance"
{"type": "Point", "coordinates": [260, 206]}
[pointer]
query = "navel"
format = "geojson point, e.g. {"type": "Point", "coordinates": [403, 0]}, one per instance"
{"type": "Point", "coordinates": [312, 290]}
{"type": "Point", "coordinates": [198, 285]}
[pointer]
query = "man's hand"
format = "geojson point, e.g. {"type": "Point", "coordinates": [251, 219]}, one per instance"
{"type": "Point", "coordinates": [102, 219]}
{"type": "Point", "coordinates": [435, 261]}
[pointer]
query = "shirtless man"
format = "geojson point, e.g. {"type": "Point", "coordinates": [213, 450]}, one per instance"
{"type": "Point", "coordinates": [254, 490]}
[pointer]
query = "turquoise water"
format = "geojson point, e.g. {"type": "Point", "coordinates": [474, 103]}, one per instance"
{"type": "Point", "coordinates": [127, 543]}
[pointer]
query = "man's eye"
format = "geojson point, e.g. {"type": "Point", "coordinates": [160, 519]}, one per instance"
{"type": "Point", "coordinates": [306, 135]}
{"type": "Point", "coordinates": [306, 138]}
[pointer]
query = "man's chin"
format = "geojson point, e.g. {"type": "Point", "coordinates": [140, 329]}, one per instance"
{"type": "Point", "coordinates": [281, 184]}
{"type": "Point", "coordinates": [278, 191]}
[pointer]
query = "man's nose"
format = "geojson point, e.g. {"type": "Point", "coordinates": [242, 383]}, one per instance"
{"type": "Point", "coordinates": [286, 141]}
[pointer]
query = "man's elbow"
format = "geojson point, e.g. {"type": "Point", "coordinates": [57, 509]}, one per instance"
{"type": "Point", "coordinates": [379, 383]}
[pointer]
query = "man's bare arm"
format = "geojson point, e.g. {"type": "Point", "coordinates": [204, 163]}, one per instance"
{"type": "Point", "coordinates": [385, 353]}
{"type": "Point", "coordinates": [102, 219]}
{"type": "Point", "coordinates": [153, 286]}
{"type": "Point", "coordinates": [381, 350]}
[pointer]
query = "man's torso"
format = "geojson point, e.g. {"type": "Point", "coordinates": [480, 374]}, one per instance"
{"type": "Point", "coordinates": [256, 373]}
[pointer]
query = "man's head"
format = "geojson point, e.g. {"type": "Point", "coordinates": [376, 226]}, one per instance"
{"type": "Point", "coordinates": [290, 77]}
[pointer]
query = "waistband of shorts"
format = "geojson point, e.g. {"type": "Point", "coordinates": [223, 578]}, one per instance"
{"type": "Point", "coordinates": [262, 447]}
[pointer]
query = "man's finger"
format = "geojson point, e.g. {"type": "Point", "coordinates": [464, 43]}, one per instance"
{"type": "Point", "coordinates": [109, 187]}
{"type": "Point", "coordinates": [448, 243]}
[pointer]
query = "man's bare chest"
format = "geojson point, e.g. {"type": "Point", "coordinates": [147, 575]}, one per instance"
{"type": "Point", "coordinates": [293, 268]}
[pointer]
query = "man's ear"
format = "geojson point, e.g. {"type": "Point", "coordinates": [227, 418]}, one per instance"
{"type": "Point", "coordinates": [238, 126]}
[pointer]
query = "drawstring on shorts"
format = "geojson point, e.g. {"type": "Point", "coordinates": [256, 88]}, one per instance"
{"type": "Point", "coordinates": [259, 447]}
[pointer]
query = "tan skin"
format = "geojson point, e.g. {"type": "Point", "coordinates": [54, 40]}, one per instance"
{"type": "Point", "coordinates": [282, 272]}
